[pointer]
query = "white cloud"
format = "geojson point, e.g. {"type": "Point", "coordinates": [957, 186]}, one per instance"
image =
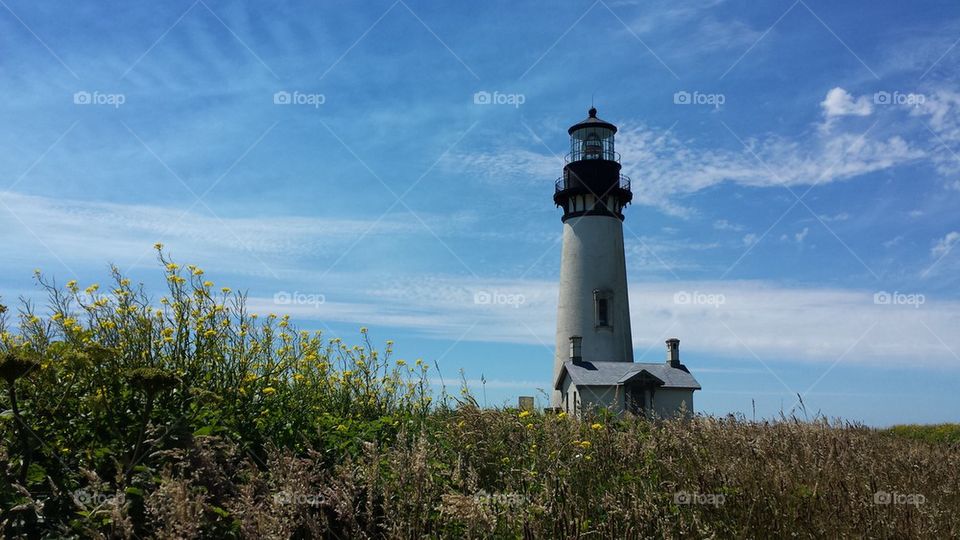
{"type": "Point", "coordinates": [942, 107]}
{"type": "Point", "coordinates": [945, 244]}
{"type": "Point", "coordinates": [816, 325]}
{"type": "Point", "coordinates": [839, 102]}
{"type": "Point", "coordinates": [842, 216]}
{"type": "Point", "coordinates": [85, 232]}
{"type": "Point", "coordinates": [670, 166]}
{"type": "Point", "coordinates": [724, 225]}
{"type": "Point", "coordinates": [750, 239]}
{"type": "Point", "coordinates": [893, 241]}
{"type": "Point", "coordinates": [802, 235]}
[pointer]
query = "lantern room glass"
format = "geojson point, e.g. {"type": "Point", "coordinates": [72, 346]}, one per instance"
{"type": "Point", "coordinates": [592, 143]}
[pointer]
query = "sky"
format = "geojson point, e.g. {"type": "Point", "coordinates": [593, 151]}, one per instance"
{"type": "Point", "coordinates": [390, 164]}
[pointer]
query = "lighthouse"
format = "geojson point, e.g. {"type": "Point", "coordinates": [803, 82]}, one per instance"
{"type": "Point", "coordinates": [593, 314]}
{"type": "Point", "coordinates": [593, 364]}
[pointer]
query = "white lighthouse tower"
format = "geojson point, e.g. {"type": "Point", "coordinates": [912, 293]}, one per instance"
{"type": "Point", "coordinates": [593, 315]}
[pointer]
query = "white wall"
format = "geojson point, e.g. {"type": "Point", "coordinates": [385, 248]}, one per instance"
{"type": "Point", "coordinates": [667, 402]}
{"type": "Point", "coordinates": [592, 258]}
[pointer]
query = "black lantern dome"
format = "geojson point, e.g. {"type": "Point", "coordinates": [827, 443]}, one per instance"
{"type": "Point", "coordinates": [591, 183]}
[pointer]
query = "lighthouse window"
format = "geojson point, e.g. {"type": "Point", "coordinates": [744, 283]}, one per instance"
{"type": "Point", "coordinates": [602, 301]}
{"type": "Point", "coordinates": [603, 312]}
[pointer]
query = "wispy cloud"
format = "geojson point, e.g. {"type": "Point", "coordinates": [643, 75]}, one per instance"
{"type": "Point", "coordinates": [808, 324]}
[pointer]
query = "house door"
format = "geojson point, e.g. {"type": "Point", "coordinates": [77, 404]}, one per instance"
{"type": "Point", "coordinates": [636, 398]}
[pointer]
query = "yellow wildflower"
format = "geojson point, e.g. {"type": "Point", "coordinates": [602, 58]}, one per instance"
{"type": "Point", "coordinates": [585, 444]}
{"type": "Point", "coordinates": [269, 390]}
{"type": "Point", "coordinates": [524, 414]}
{"type": "Point", "coordinates": [596, 426]}
{"type": "Point", "coordinates": [561, 416]}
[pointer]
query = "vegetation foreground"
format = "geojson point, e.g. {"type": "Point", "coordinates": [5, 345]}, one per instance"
{"type": "Point", "coordinates": [188, 416]}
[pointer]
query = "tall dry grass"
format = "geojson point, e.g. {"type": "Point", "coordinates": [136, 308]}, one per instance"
{"type": "Point", "coordinates": [189, 417]}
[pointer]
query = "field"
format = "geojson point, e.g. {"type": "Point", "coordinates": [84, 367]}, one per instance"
{"type": "Point", "coordinates": [187, 416]}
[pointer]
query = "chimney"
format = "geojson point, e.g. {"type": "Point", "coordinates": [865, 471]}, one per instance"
{"type": "Point", "coordinates": [673, 352]}
{"type": "Point", "coordinates": [575, 343]}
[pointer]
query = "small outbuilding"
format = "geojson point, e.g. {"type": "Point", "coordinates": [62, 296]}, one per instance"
{"type": "Point", "coordinates": [661, 390]}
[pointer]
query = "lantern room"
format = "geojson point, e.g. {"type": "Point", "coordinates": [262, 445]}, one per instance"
{"type": "Point", "coordinates": [592, 139]}
{"type": "Point", "coordinates": [591, 183]}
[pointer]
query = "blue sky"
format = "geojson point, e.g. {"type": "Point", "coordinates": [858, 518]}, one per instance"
{"type": "Point", "coordinates": [795, 168]}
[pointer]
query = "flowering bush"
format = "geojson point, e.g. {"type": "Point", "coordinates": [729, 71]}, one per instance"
{"type": "Point", "coordinates": [104, 382]}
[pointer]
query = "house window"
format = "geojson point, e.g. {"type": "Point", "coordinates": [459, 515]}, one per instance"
{"type": "Point", "coordinates": [603, 307]}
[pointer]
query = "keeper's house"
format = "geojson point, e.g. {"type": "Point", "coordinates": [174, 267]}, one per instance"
{"type": "Point", "coordinates": [656, 390]}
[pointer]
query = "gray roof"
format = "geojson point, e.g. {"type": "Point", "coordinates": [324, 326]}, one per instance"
{"type": "Point", "coordinates": [615, 373]}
